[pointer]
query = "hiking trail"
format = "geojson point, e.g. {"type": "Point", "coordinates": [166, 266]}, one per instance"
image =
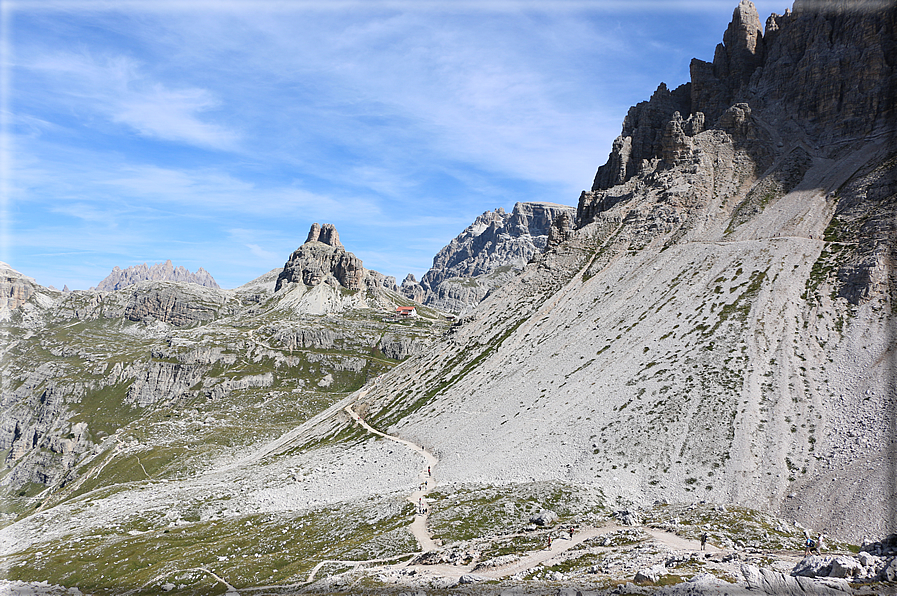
{"type": "Point", "coordinates": [418, 497]}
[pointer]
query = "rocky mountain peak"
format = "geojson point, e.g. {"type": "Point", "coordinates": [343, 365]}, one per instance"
{"type": "Point", "coordinates": [819, 73]}
{"type": "Point", "coordinates": [325, 234]}
{"type": "Point", "coordinates": [323, 259]}
{"type": "Point", "coordinates": [486, 254]}
{"type": "Point", "coordinates": [742, 49]}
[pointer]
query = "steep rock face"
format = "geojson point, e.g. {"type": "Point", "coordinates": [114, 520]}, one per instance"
{"type": "Point", "coordinates": [486, 254]}
{"type": "Point", "coordinates": [163, 382]}
{"type": "Point", "coordinates": [821, 72]}
{"type": "Point", "coordinates": [325, 234]}
{"type": "Point", "coordinates": [412, 289]}
{"type": "Point", "coordinates": [399, 347]}
{"type": "Point", "coordinates": [122, 278]}
{"type": "Point", "coordinates": [15, 289]}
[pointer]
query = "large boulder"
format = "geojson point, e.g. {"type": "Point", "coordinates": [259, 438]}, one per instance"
{"type": "Point", "coordinates": [651, 574]}
{"type": "Point", "coordinates": [545, 517]}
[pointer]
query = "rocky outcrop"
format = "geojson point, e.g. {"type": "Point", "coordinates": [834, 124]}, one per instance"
{"type": "Point", "coordinates": [224, 386]}
{"type": "Point", "coordinates": [412, 289]}
{"type": "Point", "coordinates": [122, 278]}
{"type": "Point", "coordinates": [164, 382]}
{"type": "Point", "coordinates": [325, 234]}
{"type": "Point", "coordinates": [323, 259]}
{"type": "Point", "coordinates": [486, 254]}
{"type": "Point", "coordinates": [821, 71]}
{"type": "Point", "coordinates": [174, 304]}
{"type": "Point", "coordinates": [15, 289]}
{"type": "Point", "coordinates": [399, 347]}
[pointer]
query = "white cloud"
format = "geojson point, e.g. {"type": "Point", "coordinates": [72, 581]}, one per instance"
{"type": "Point", "coordinates": [117, 87]}
{"type": "Point", "coordinates": [173, 115]}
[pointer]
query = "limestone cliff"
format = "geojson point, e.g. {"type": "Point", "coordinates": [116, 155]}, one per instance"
{"type": "Point", "coordinates": [823, 72]}
{"type": "Point", "coordinates": [486, 254]}
{"type": "Point", "coordinates": [15, 289]}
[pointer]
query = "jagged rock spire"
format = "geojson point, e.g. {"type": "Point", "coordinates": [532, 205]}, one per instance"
{"type": "Point", "coordinates": [325, 234]}
{"type": "Point", "coordinates": [742, 49]}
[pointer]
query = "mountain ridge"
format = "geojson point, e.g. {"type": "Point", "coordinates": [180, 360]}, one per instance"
{"type": "Point", "coordinates": [122, 278]}
{"type": "Point", "coordinates": [487, 253]}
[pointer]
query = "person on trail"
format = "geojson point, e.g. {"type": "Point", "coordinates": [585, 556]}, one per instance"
{"type": "Point", "coordinates": [549, 542]}
{"type": "Point", "coordinates": [429, 473]}
{"type": "Point", "coordinates": [818, 548]}
{"type": "Point", "coordinates": [571, 532]}
{"type": "Point", "coordinates": [703, 540]}
{"type": "Point", "coordinates": [809, 545]}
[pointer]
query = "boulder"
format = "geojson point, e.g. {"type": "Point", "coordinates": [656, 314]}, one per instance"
{"type": "Point", "coordinates": [814, 566]}
{"type": "Point", "coordinates": [545, 517]}
{"type": "Point", "coordinates": [651, 574]}
{"type": "Point", "coordinates": [767, 581]}
{"type": "Point", "coordinates": [846, 567]}
{"type": "Point", "coordinates": [700, 585]}
{"type": "Point", "coordinates": [890, 572]}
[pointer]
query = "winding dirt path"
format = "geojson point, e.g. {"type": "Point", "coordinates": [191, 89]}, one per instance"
{"type": "Point", "coordinates": [558, 546]}
{"type": "Point", "coordinates": [418, 497]}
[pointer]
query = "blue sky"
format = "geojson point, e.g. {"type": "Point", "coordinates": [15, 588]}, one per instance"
{"type": "Point", "coordinates": [215, 133]}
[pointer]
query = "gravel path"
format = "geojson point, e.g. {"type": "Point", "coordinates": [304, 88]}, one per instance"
{"type": "Point", "coordinates": [418, 497]}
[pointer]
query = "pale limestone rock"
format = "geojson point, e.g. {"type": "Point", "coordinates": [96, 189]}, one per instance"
{"type": "Point", "coordinates": [323, 259]}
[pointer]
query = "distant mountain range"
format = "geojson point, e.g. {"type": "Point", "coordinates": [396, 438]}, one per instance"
{"type": "Point", "coordinates": [122, 278]}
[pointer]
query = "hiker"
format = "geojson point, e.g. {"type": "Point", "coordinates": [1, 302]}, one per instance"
{"type": "Point", "coordinates": [810, 545]}
{"type": "Point", "coordinates": [571, 532]}
{"type": "Point", "coordinates": [818, 548]}
{"type": "Point", "coordinates": [429, 473]}
{"type": "Point", "coordinates": [703, 540]}
{"type": "Point", "coordinates": [549, 542]}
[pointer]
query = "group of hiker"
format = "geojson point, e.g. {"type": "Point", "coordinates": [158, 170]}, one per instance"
{"type": "Point", "coordinates": [812, 546]}
{"type": "Point", "coordinates": [571, 530]}
{"type": "Point", "coordinates": [421, 506]}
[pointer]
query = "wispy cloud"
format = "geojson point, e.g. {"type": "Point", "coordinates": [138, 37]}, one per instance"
{"type": "Point", "coordinates": [117, 87]}
{"type": "Point", "coordinates": [154, 129]}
